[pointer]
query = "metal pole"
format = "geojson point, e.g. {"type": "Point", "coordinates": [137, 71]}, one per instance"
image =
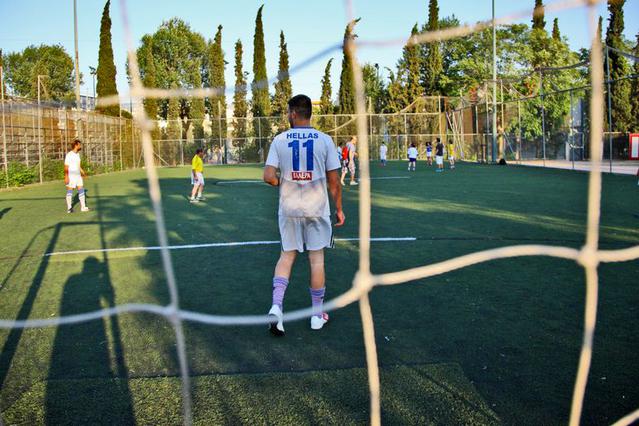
{"type": "Point", "coordinates": [571, 137]}
{"type": "Point", "coordinates": [477, 123]}
{"type": "Point", "coordinates": [39, 132]}
{"type": "Point", "coordinates": [519, 129]}
{"type": "Point", "coordinates": [219, 125]}
{"type": "Point", "coordinates": [543, 115]}
{"type": "Point", "coordinates": [609, 109]}
{"type": "Point", "coordinates": [120, 138]}
{"type": "Point", "coordinates": [503, 127]}
{"type": "Point", "coordinates": [104, 144]}
{"type": "Point", "coordinates": [494, 157]}
{"type": "Point", "coordinates": [4, 130]}
{"type": "Point", "coordinates": [77, 55]}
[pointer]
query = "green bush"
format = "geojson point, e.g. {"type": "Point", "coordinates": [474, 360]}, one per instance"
{"type": "Point", "coordinates": [19, 175]}
{"type": "Point", "coordinates": [52, 169]}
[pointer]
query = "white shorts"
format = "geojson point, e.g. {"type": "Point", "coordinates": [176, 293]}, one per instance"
{"type": "Point", "coordinates": [451, 158]}
{"type": "Point", "coordinates": [200, 179]}
{"type": "Point", "coordinates": [429, 154]}
{"type": "Point", "coordinates": [439, 160]}
{"type": "Point", "coordinates": [310, 233]}
{"type": "Point", "coordinates": [75, 181]}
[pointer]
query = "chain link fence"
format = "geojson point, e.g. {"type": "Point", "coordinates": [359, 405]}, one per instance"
{"type": "Point", "coordinates": [35, 140]}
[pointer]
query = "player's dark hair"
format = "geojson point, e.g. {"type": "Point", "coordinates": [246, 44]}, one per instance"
{"type": "Point", "coordinates": [75, 143]}
{"type": "Point", "coordinates": [302, 106]}
{"type": "Point", "coordinates": [438, 141]}
{"type": "Point", "coordinates": [197, 151]}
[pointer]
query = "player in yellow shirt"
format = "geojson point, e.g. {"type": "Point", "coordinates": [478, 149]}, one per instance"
{"type": "Point", "coordinates": [197, 178]}
{"type": "Point", "coordinates": [451, 154]}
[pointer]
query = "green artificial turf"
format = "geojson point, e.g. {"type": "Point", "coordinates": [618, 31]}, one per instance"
{"type": "Point", "coordinates": [497, 342]}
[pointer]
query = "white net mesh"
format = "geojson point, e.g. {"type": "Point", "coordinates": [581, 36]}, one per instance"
{"type": "Point", "coordinates": [589, 256]}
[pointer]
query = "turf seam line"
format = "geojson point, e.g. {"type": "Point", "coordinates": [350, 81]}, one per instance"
{"type": "Point", "coordinates": [208, 245]}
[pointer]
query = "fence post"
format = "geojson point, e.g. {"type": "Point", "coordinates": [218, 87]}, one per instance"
{"type": "Point", "coordinates": [487, 124]}
{"type": "Point", "coordinates": [104, 141]}
{"type": "Point", "coordinates": [543, 115]}
{"type": "Point", "coordinates": [609, 109]}
{"type": "Point", "coordinates": [39, 132]}
{"type": "Point", "coordinates": [519, 129]}
{"type": "Point", "coordinates": [571, 137]}
{"type": "Point", "coordinates": [4, 130]}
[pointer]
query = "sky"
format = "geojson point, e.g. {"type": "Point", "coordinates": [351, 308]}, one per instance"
{"type": "Point", "coordinates": [309, 28]}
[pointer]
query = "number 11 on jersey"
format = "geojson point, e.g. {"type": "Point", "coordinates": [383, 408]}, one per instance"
{"type": "Point", "coordinates": [295, 144]}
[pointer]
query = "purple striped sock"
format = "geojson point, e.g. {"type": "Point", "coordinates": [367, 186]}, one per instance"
{"type": "Point", "coordinates": [317, 299]}
{"type": "Point", "coordinates": [279, 288]}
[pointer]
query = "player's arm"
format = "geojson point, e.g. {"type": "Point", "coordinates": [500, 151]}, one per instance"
{"type": "Point", "coordinates": [270, 176]}
{"type": "Point", "coordinates": [82, 172]}
{"type": "Point", "coordinates": [335, 188]}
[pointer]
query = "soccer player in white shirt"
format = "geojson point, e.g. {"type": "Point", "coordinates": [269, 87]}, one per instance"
{"type": "Point", "coordinates": [412, 157]}
{"type": "Point", "coordinates": [73, 177]}
{"type": "Point", "coordinates": [307, 163]}
{"type": "Point", "coordinates": [382, 153]}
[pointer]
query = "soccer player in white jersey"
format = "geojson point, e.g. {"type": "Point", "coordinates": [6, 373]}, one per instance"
{"type": "Point", "coordinates": [382, 153]}
{"type": "Point", "coordinates": [73, 177]}
{"type": "Point", "coordinates": [307, 163]}
{"type": "Point", "coordinates": [412, 157]}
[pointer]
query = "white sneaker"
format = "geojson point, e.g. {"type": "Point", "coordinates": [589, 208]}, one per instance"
{"type": "Point", "coordinates": [353, 183]}
{"type": "Point", "coordinates": [193, 200]}
{"type": "Point", "coordinates": [318, 322]}
{"type": "Point", "coordinates": [70, 210]}
{"type": "Point", "coordinates": [276, 325]}
{"type": "Point", "coordinates": [85, 209]}
{"type": "Point", "coordinates": [200, 198]}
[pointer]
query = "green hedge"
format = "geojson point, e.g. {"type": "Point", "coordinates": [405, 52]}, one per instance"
{"type": "Point", "coordinates": [20, 174]}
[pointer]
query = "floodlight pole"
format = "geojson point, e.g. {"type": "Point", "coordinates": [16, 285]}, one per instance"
{"type": "Point", "coordinates": [77, 55]}
{"type": "Point", "coordinates": [494, 156]}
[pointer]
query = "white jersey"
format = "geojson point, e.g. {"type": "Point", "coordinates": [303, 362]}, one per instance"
{"type": "Point", "coordinates": [73, 161]}
{"type": "Point", "coordinates": [303, 155]}
{"type": "Point", "coordinates": [412, 152]}
{"type": "Point", "coordinates": [382, 152]}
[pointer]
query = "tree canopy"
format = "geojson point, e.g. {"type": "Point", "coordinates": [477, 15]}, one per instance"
{"type": "Point", "coordinates": [22, 70]}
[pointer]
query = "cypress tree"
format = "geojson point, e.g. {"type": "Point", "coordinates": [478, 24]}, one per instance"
{"type": "Point", "coordinates": [432, 66]}
{"type": "Point", "coordinates": [196, 108]}
{"type": "Point", "coordinates": [411, 61]}
{"type": "Point", "coordinates": [106, 67]}
{"type": "Point", "coordinates": [326, 105]}
{"type": "Point", "coordinates": [283, 87]}
{"type": "Point", "coordinates": [346, 84]}
{"type": "Point", "coordinates": [216, 79]}
{"type": "Point", "coordinates": [260, 103]}
{"type": "Point", "coordinates": [150, 81]}
{"type": "Point", "coordinates": [538, 21]}
{"type": "Point", "coordinates": [619, 90]}
{"type": "Point", "coordinates": [635, 88]}
{"type": "Point", "coordinates": [556, 35]}
{"type": "Point", "coordinates": [240, 107]}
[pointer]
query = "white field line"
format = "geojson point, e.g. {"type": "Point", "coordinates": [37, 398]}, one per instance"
{"type": "Point", "coordinates": [233, 182]}
{"type": "Point", "coordinates": [208, 245]}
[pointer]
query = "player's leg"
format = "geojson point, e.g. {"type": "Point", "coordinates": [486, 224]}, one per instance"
{"type": "Point", "coordinates": [280, 283]}
{"type": "Point", "coordinates": [194, 191]}
{"type": "Point", "coordinates": [200, 178]}
{"type": "Point", "coordinates": [351, 169]}
{"type": "Point", "coordinates": [69, 198]}
{"type": "Point", "coordinates": [83, 200]}
{"type": "Point", "coordinates": [344, 170]}
{"type": "Point", "coordinates": [318, 288]}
